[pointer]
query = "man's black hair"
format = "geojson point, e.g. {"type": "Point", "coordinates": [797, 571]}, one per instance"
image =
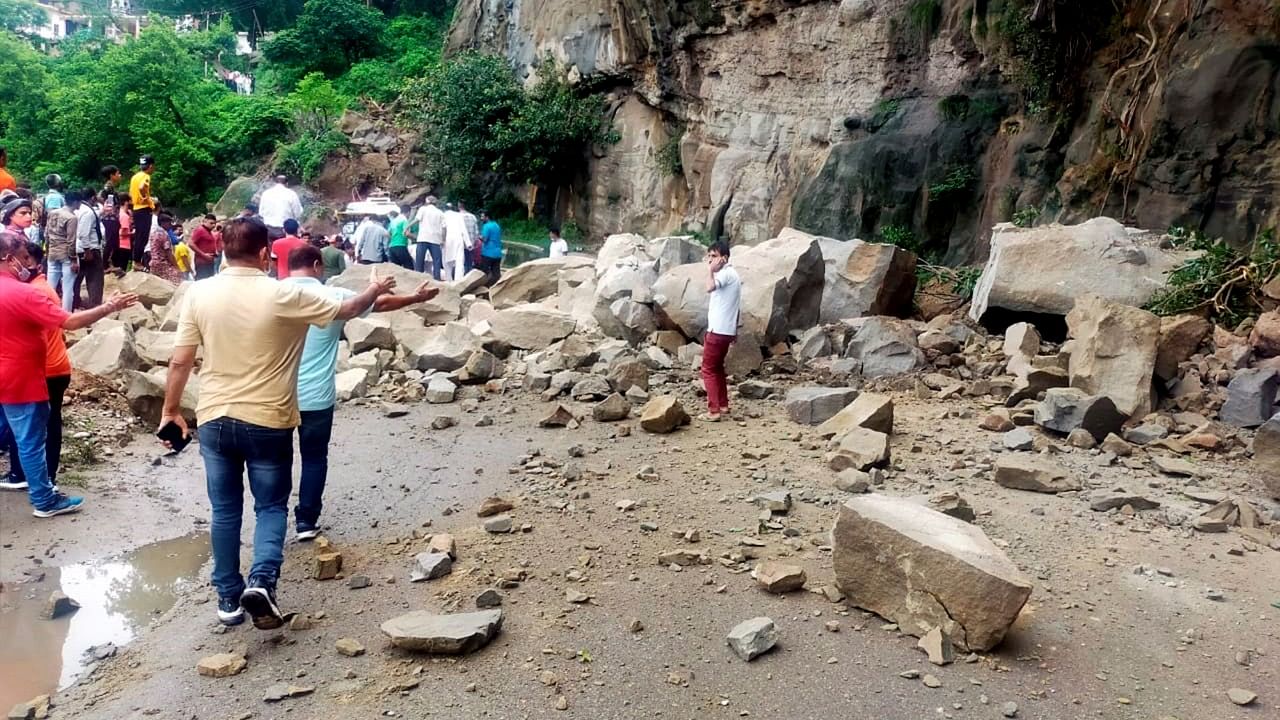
{"type": "Point", "coordinates": [211, 216]}
{"type": "Point", "coordinates": [291, 226]}
{"type": "Point", "coordinates": [303, 257]}
{"type": "Point", "coordinates": [108, 170]}
{"type": "Point", "coordinates": [720, 247]}
{"type": "Point", "coordinates": [244, 238]}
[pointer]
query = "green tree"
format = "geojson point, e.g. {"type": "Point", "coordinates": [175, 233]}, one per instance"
{"type": "Point", "coordinates": [15, 14]}
{"type": "Point", "coordinates": [269, 14]}
{"type": "Point", "coordinates": [329, 37]}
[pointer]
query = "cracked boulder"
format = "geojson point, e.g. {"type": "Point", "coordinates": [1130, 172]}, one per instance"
{"type": "Point", "coordinates": [922, 569]}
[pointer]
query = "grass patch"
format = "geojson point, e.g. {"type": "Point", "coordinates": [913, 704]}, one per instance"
{"type": "Point", "coordinates": [1223, 282]}
{"type": "Point", "coordinates": [901, 236]}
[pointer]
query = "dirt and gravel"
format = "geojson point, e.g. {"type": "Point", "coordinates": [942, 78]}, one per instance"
{"type": "Point", "coordinates": [1121, 622]}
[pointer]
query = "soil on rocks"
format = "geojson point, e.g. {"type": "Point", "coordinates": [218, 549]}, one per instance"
{"type": "Point", "coordinates": [1132, 615]}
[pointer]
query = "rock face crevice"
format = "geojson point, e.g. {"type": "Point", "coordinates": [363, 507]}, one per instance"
{"type": "Point", "coordinates": [857, 118]}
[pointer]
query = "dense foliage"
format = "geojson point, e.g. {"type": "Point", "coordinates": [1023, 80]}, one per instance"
{"type": "Point", "coordinates": [477, 118]}
{"type": "Point", "coordinates": [1220, 280]}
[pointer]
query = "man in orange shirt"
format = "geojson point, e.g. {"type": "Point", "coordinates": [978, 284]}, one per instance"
{"type": "Point", "coordinates": [281, 248]}
{"type": "Point", "coordinates": [57, 376]}
{"type": "Point", "coordinates": [6, 180]}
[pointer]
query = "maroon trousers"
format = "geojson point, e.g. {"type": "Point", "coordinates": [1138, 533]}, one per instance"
{"type": "Point", "coordinates": [714, 348]}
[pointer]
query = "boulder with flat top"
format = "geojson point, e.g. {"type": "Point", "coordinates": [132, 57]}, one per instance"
{"type": "Point", "coordinates": [922, 569]}
{"type": "Point", "coordinates": [530, 327]}
{"type": "Point", "coordinates": [107, 351]}
{"type": "Point", "coordinates": [1114, 352]}
{"type": "Point", "coordinates": [446, 306]}
{"type": "Point", "coordinates": [151, 289]}
{"type": "Point", "coordinates": [533, 281]}
{"type": "Point", "coordinates": [455, 634]}
{"type": "Point", "coordinates": [863, 278]}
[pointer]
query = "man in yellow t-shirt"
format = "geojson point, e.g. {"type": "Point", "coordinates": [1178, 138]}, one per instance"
{"type": "Point", "coordinates": [144, 206]}
{"type": "Point", "coordinates": [252, 329]}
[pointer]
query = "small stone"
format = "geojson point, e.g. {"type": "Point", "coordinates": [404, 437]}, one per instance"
{"type": "Point", "coordinates": [562, 703]}
{"type": "Point", "coordinates": [443, 543]}
{"type": "Point", "coordinates": [493, 506]}
{"type": "Point", "coordinates": [833, 626]}
{"type": "Point", "coordinates": [1240, 696]}
{"type": "Point", "coordinates": [1009, 709]}
{"type": "Point", "coordinates": [430, 565]}
{"type": "Point", "coordinates": [779, 578]}
{"type": "Point", "coordinates": [327, 565]}
{"type": "Point", "coordinates": [394, 410]}
{"type": "Point", "coordinates": [489, 599]}
{"type": "Point", "coordinates": [36, 708]}
{"type": "Point", "coordinates": [58, 605]}
{"type": "Point", "coordinates": [443, 422]}
{"type": "Point", "coordinates": [1019, 439]}
{"type": "Point", "coordinates": [576, 596]}
{"type": "Point", "coordinates": [909, 674]}
{"type": "Point", "coordinates": [357, 582]}
{"type": "Point", "coordinates": [852, 480]}
{"type": "Point", "coordinates": [777, 502]}
{"type": "Point", "coordinates": [300, 621]}
{"type": "Point", "coordinates": [499, 524]}
{"type": "Point", "coordinates": [221, 665]}
{"type": "Point", "coordinates": [752, 638]}
{"type": "Point", "coordinates": [350, 647]}
{"type": "Point", "coordinates": [937, 644]}
{"type": "Point", "coordinates": [931, 682]}
{"type": "Point", "coordinates": [561, 416]}
{"type": "Point", "coordinates": [280, 691]}
{"type": "Point", "coordinates": [635, 625]}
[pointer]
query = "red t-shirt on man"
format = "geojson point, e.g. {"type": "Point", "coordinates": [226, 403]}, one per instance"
{"type": "Point", "coordinates": [26, 314]}
{"type": "Point", "coordinates": [205, 242]}
{"type": "Point", "coordinates": [280, 250]}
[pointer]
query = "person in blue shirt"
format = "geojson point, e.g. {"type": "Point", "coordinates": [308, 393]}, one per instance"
{"type": "Point", "coordinates": [317, 392]}
{"type": "Point", "coordinates": [490, 248]}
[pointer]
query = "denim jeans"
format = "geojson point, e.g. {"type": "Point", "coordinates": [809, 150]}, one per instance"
{"type": "Point", "coordinates": [61, 274]}
{"type": "Point", "coordinates": [27, 424]}
{"type": "Point", "coordinates": [313, 446]}
{"type": "Point", "coordinates": [421, 250]}
{"type": "Point", "coordinates": [57, 385]}
{"type": "Point", "coordinates": [228, 447]}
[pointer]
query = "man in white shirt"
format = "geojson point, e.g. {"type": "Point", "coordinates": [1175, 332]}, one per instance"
{"type": "Point", "coordinates": [724, 297]}
{"type": "Point", "coordinates": [277, 204]}
{"type": "Point", "coordinates": [558, 247]}
{"type": "Point", "coordinates": [473, 234]}
{"type": "Point", "coordinates": [428, 229]}
{"type": "Point", "coordinates": [456, 242]}
{"type": "Point", "coordinates": [89, 250]}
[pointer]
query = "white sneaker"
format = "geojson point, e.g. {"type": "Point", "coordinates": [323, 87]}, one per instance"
{"type": "Point", "coordinates": [8, 485]}
{"type": "Point", "coordinates": [305, 535]}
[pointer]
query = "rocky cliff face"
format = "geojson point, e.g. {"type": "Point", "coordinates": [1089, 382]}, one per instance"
{"type": "Point", "coordinates": [924, 119]}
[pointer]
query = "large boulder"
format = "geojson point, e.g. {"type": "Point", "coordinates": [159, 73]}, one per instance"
{"type": "Point", "coordinates": [782, 286]}
{"type": "Point", "coordinates": [1180, 337]}
{"type": "Point", "coordinates": [865, 279]}
{"type": "Point", "coordinates": [1045, 268]}
{"type": "Point", "coordinates": [1114, 352]}
{"type": "Point", "coordinates": [1021, 472]}
{"type": "Point", "coordinates": [1065, 409]}
{"type": "Point", "coordinates": [576, 294]}
{"type": "Point", "coordinates": [151, 289]}
{"type": "Point", "coordinates": [626, 319]}
{"type": "Point", "coordinates": [815, 405]}
{"type": "Point", "coordinates": [369, 333]}
{"type": "Point", "coordinates": [239, 193]}
{"type": "Point", "coordinates": [530, 327]}
{"type": "Point", "coordinates": [1265, 336]}
{"type": "Point", "coordinates": [445, 307]}
{"type": "Point", "coordinates": [1251, 397]}
{"type": "Point", "coordinates": [533, 281]}
{"type": "Point", "coordinates": [445, 348]}
{"type": "Point", "coordinates": [172, 311]}
{"type": "Point", "coordinates": [1266, 455]}
{"type": "Point", "coordinates": [872, 411]}
{"type": "Point", "coordinates": [145, 395]}
{"type": "Point", "coordinates": [107, 351]}
{"type": "Point", "coordinates": [884, 346]}
{"type": "Point", "coordinates": [456, 634]}
{"type": "Point", "coordinates": [922, 569]}
{"type": "Point", "coordinates": [680, 299]}
{"type": "Point", "coordinates": [152, 347]}
{"type": "Point", "coordinates": [662, 415]}
{"type": "Point", "coordinates": [858, 448]}
{"type": "Point", "coordinates": [782, 282]}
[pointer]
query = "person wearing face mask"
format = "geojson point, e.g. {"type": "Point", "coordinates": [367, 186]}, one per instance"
{"type": "Point", "coordinates": [252, 329]}
{"type": "Point", "coordinates": [57, 377]}
{"type": "Point", "coordinates": [27, 314]}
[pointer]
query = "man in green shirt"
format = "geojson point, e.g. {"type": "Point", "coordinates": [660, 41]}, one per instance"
{"type": "Point", "coordinates": [335, 259]}
{"type": "Point", "coordinates": [399, 245]}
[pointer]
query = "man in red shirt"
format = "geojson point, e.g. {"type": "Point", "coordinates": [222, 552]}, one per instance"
{"type": "Point", "coordinates": [205, 247]}
{"type": "Point", "coordinates": [26, 314]}
{"type": "Point", "coordinates": [281, 248]}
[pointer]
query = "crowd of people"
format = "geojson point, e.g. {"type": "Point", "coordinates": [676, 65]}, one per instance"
{"type": "Point", "coordinates": [263, 319]}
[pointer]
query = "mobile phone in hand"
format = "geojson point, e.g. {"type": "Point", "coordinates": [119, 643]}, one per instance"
{"type": "Point", "coordinates": [172, 434]}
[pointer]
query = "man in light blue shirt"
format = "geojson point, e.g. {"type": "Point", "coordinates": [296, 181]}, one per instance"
{"type": "Point", "coordinates": [317, 392]}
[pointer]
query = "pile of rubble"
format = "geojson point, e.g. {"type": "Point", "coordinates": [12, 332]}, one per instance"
{"type": "Point", "coordinates": [604, 336]}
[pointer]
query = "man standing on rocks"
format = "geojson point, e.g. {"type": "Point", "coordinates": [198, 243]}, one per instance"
{"type": "Point", "coordinates": [252, 329]}
{"type": "Point", "coordinates": [724, 290]}
{"type": "Point", "coordinates": [278, 204]}
{"type": "Point", "coordinates": [143, 207]}
{"type": "Point", "coordinates": [27, 316]}
{"type": "Point", "coordinates": [317, 392]}
{"type": "Point", "coordinates": [429, 226]}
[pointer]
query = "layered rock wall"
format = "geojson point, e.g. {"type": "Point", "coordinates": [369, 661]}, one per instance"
{"type": "Point", "coordinates": [909, 118]}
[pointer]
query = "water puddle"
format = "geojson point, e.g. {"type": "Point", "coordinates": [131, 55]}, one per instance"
{"type": "Point", "coordinates": [118, 597]}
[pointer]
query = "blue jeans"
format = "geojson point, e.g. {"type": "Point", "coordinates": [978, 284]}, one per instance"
{"type": "Point", "coordinates": [313, 446]}
{"type": "Point", "coordinates": [420, 258]}
{"type": "Point", "coordinates": [228, 446]}
{"type": "Point", "coordinates": [27, 424]}
{"type": "Point", "coordinates": [60, 273]}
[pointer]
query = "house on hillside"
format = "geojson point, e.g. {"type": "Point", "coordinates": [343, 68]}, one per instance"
{"type": "Point", "coordinates": [64, 19]}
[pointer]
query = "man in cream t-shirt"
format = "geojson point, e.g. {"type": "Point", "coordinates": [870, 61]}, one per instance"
{"type": "Point", "coordinates": [724, 297]}
{"type": "Point", "coordinates": [252, 329]}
